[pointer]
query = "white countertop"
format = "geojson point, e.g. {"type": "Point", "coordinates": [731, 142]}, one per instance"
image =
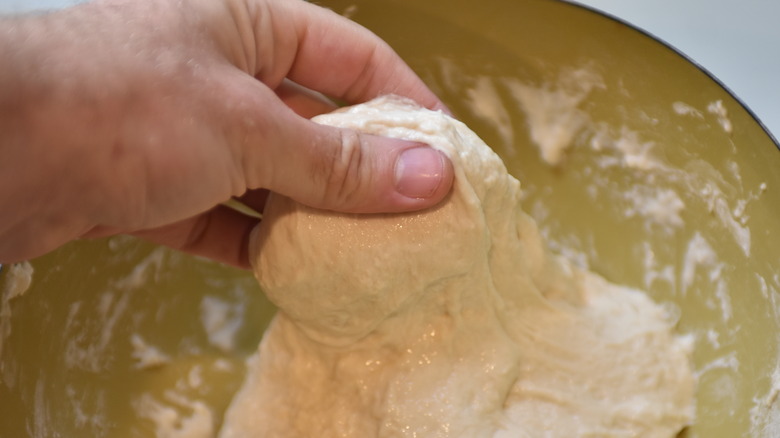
{"type": "Point", "coordinates": [738, 41]}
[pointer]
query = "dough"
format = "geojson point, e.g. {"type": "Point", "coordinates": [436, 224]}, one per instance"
{"type": "Point", "coordinates": [452, 322]}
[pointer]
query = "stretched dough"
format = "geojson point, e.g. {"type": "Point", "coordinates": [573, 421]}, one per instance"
{"type": "Point", "coordinates": [451, 322]}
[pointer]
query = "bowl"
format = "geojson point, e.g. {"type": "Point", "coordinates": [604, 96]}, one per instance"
{"type": "Point", "coordinates": [635, 162]}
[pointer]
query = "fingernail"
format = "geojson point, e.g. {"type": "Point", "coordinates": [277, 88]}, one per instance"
{"type": "Point", "coordinates": [418, 172]}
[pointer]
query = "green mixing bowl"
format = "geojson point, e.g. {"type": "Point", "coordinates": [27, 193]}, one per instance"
{"type": "Point", "coordinates": [635, 162]}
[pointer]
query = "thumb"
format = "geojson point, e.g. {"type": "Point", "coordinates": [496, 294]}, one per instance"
{"type": "Point", "coordinates": [349, 171]}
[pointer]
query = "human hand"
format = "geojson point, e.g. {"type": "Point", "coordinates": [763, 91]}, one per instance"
{"type": "Point", "coordinates": [143, 116]}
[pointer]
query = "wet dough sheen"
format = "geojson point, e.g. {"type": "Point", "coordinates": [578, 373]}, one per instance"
{"type": "Point", "coordinates": [452, 322]}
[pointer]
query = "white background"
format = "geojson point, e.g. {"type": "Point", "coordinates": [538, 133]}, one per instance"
{"type": "Point", "coordinates": [738, 41]}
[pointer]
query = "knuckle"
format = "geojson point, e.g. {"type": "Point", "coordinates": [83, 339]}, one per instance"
{"type": "Point", "coordinates": [344, 172]}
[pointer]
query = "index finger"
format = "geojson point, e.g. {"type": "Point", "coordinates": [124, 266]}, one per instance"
{"type": "Point", "coordinates": [335, 56]}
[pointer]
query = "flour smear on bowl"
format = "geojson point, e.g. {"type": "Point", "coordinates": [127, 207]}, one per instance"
{"type": "Point", "coordinates": [559, 123]}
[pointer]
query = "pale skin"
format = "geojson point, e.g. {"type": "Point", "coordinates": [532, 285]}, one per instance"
{"type": "Point", "coordinates": [143, 116]}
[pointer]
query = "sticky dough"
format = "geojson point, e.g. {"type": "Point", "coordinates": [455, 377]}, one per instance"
{"type": "Point", "coordinates": [451, 322]}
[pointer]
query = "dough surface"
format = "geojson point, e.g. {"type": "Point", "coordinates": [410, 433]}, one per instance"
{"type": "Point", "coordinates": [452, 322]}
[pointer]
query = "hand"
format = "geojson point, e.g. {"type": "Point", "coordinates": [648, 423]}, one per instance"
{"type": "Point", "coordinates": [143, 116]}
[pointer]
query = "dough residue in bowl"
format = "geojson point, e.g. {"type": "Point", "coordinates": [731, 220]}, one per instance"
{"type": "Point", "coordinates": [455, 321]}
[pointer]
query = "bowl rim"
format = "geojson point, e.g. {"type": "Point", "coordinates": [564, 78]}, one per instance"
{"type": "Point", "coordinates": [668, 45]}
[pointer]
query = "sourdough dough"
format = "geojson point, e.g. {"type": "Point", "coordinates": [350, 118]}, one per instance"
{"type": "Point", "coordinates": [452, 322]}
